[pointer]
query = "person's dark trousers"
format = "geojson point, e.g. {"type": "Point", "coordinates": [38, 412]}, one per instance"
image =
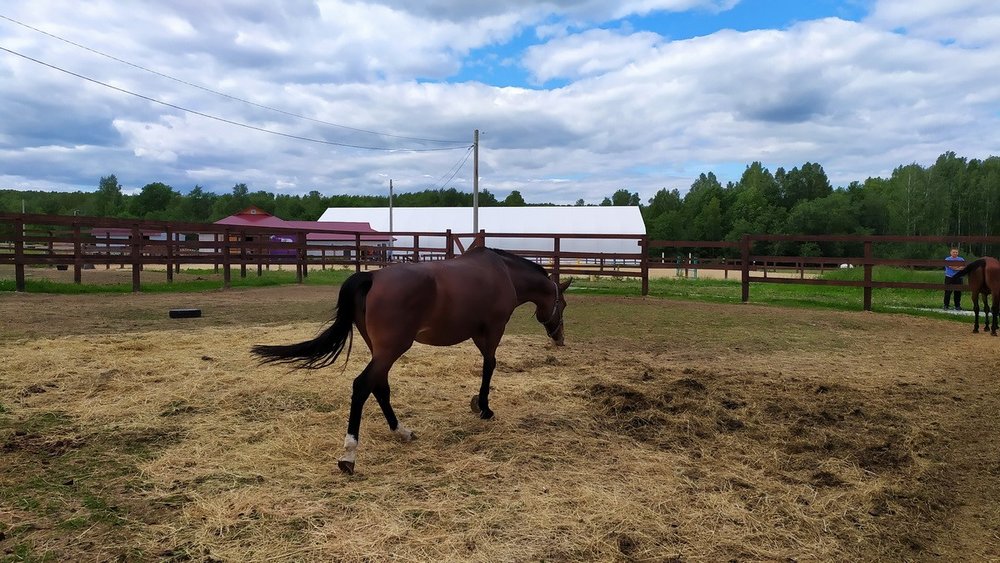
{"type": "Point", "coordinates": [951, 280]}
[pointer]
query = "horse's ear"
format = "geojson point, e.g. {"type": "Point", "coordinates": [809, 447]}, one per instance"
{"type": "Point", "coordinates": [565, 285]}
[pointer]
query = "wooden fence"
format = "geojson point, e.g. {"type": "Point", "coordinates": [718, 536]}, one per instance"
{"type": "Point", "coordinates": [83, 243]}
{"type": "Point", "coordinates": [754, 268]}
{"type": "Point", "coordinates": [89, 242]}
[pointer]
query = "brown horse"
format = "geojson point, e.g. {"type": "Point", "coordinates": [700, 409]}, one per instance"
{"type": "Point", "coordinates": [984, 279]}
{"type": "Point", "coordinates": [437, 303]}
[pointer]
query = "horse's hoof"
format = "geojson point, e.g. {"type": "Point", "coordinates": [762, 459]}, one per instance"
{"type": "Point", "coordinates": [486, 414]}
{"type": "Point", "coordinates": [404, 434]}
{"type": "Point", "coordinates": [474, 404]}
{"type": "Point", "coordinates": [346, 466]}
{"type": "Point", "coordinates": [975, 330]}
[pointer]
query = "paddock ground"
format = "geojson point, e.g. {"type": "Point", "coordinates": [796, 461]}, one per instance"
{"type": "Point", "coordinates": [663, 431]}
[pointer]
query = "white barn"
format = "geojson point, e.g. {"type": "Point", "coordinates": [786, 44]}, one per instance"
{"type": "Point", "coordinates": [612, 220]}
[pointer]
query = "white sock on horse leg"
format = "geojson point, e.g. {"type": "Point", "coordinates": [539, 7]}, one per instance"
{"type": "Point", "coordinates": [350, 449]}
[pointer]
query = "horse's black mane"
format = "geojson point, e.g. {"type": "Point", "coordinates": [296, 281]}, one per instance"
{"type": "Point", "coordinates": [520, 259]}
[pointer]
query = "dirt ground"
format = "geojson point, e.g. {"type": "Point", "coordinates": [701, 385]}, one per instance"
{"type": "Point", "coordinates": [663, 431]}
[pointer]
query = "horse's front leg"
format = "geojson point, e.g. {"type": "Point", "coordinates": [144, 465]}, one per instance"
{"type": "Point", "coordinates": [481, 402]}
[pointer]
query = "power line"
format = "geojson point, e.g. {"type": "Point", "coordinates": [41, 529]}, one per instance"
{"type": "Point", "coordinates": [457, 169]}
{"type": "Point", "coordinates": [223, 94]}
{"type": "Point", "coordinates": [221, 119]}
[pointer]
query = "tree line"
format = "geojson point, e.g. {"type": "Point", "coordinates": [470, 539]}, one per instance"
{"type": "Point", "coordinates": [953, 196]}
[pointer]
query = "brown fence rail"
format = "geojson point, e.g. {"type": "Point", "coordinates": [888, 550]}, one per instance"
{"type": "Point", "coordinates": [86, 242]}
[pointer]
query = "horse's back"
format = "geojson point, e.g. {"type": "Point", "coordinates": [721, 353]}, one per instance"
{"type": "Point", "coordinates": [441, 303]}
{"type": "Point", "coordinates": [991, 273]}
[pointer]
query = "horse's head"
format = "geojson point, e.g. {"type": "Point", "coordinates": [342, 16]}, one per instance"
{"type": "Point", "coordinates": [553, 321]}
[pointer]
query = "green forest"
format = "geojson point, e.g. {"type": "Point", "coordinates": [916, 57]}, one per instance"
{"type": "Point", "coordinates": [954, 196]}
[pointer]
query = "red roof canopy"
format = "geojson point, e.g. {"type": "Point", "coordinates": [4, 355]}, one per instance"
{"type": "Point", "coordinates": [257, 217]}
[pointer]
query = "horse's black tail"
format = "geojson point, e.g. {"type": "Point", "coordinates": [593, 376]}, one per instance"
{"type": "Point", "coordinates": [327, 346]}
{"type": "Point", "coordinates": [972, 267]}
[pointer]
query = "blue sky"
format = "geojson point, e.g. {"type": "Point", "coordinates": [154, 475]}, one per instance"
{"type": "Point", "coordinates": [575, 98]}
{"type": "Point", "coordinates": [496, 64]}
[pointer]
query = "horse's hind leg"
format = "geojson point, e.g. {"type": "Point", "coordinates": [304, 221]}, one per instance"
{"type": "Point", "coordinates": [373, 380]}
{"type": "Point", "coordinates": [975, 310]}
{"type": "Point", "coordinates": [360, 391]}
{"type": "Point", "coordinates": [381, 393]}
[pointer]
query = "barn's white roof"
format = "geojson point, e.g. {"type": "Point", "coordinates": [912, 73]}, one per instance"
{"type": "Point", "coordinates": [536, 220]}
{"type": "Point", "coordinates": [609, 219]}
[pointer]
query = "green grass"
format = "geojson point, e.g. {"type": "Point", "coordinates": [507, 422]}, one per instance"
{"type": "Point", "coordinates": [707, 290]}
{"type": "Point", "coordinates": [791, 295]}
{"type": "Point", "coordinates": [62, 476]}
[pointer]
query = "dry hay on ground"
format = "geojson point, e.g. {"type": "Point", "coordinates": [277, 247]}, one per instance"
{"type": "Point", "coordinates": [793, 435]}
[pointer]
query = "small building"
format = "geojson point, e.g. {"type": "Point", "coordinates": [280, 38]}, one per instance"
{"type": "Point", "coordinates": [339, 235]}
{"type": "Point", "coordinates": [121, 234]}
{"type": "Point", "coordinates": [117, 240]}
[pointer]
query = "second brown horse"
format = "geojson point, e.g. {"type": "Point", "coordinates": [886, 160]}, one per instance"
{"type": "Point", "coordinates": [984, 279]}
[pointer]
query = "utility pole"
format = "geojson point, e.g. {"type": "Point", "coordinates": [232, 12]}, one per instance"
{"type": "Point", "coordinates": [475, 182]}
{"type": "Point", "coordinates": [390, 217]}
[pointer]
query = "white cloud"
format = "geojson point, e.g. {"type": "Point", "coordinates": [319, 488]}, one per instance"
{"type": "Point", "coordinates": [967, 22]}
{"type": "Point", "coordinates": [633, 110]}
{"type": "Point", "coordinates": [534, 10]}
{"type": "Point", "coordinates": [592, 52]}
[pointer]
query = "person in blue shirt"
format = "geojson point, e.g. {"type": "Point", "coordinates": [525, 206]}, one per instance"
{"type": "Point", "coordinates": [949, 278]}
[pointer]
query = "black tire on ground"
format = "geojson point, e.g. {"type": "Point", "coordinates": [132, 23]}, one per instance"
{"type": "Point", "coordinates": [185, 313]}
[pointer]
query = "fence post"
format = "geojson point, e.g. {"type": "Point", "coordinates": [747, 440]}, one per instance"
{"type": "Point", "coordinates": [243, 254]}
{"type": "Point", "coordinates": [745, 266]}
{"type": "Point", "coordinates": [227, 274]}
{"type": "Point", "coordinates": [19, 254]}
{"type": "Point", "coordinates": [644, 263]}
{"type": "Point", "coordinates": [449, 246]}
{"type": "Point", "coordinates": [136, 258]}
{"type": "Point", "coordinates": [357, 252]}
{"type": "Point", "coordinates": [170, 254]}
{"type": "Point", "coordinates": [416, 248]}
{"type": "Point", "coordinates": [868, 275]}
{"type": "Point", "coordinates": [305, 255]}
{"type": "Point", "coordinates": [262, 241]}
{"type": "Point", "coordinates": [77, 255]}
{"type": "Point", "coordinates": [555, 257]}
{"type": "Point", "coordinates": [301, 258]}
